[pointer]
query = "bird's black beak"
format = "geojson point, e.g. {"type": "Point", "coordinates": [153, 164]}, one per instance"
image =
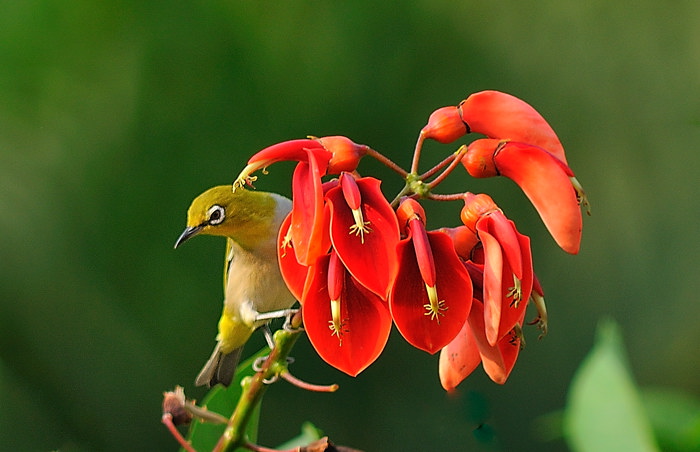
{"type": "Point", "coordinates": [187, 234]}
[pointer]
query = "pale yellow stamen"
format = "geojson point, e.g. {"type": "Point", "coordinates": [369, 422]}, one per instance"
{"type": "Point", "coordinates": [435, 307]}
{"type": "Point", "coordinates": [516, 292]}
{"type": "Point", "coordinates": [337, 326]}
{"type": "Point", "coordinates": [245, 178]}
{"type": "Point", "coordinates": [581, 195]}
{"type": "Point", "coordinates": [541, 319]}
{"type": "Point", "coordinates": [517, 334]}
{"type": "Point", "coordinates": [286, 242]}
{"type": "Point", "coordinates": [361, 226]}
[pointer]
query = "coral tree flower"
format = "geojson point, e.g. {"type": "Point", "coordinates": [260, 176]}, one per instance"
{"type": "Point", "coordinates": [500, 115]}
{"type": "Point", "coordinates": [507, 265]}
{"type": "Point", "coordinates": [347, 324]}
{"type": "Point", "coordinates": [364, 231]}
{"type": "Point", "coordinates": [432, 293]}
{"type": "Point", "coordinates": [470, 348]}
{"type": "Point", "coordinates": [317, 157]}
{"type": "Point", "coordinates": [544, 179]}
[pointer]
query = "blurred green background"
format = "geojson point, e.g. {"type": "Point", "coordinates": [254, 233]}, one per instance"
{"type": "Point", "coordinates": [115, 114]}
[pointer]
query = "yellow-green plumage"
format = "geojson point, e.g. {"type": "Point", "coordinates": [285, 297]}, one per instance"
{"type": "Point", "coordinates": [252, 281]}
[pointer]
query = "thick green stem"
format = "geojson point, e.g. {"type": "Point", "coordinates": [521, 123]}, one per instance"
{"type": "Point", "coordinates": [253, 390]}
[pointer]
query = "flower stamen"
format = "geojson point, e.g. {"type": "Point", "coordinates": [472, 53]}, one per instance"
{"type": "Point", "coordinates": [360, 228]}
{"type": "Point", "coordinates": [337, 326]}
{"type": "Point", "coordinates": [435, 307]}
{"type": "Point", "coordinates": [516, 292]}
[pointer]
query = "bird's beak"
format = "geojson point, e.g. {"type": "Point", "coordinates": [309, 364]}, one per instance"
{"type": "Point", "coordinates": [187, 234]}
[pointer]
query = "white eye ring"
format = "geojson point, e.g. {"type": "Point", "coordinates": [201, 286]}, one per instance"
{"type": "Point", "coordinates": [215, 215]}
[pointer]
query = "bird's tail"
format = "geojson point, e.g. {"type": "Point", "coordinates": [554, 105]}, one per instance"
{"type": "Point", "coordinates": [220, 367]}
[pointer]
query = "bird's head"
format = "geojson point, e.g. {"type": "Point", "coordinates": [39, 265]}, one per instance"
{"type": "Point", "coordinates": [248, 217]}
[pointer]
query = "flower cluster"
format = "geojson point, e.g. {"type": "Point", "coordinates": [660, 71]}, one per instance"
{"type": "Point", "coordinates": [358, 262]}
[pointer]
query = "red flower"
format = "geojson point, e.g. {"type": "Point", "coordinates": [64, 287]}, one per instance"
{"type": "Point", "coordinates": [445, 125]}
{"type": "Point", "coordinates": [347, 324]}
{"type": "Point", "coordinates": [432, 292]}
{"type": "Point", "coordinates": [471, 347]}
{"type": "Point", "coordinates": [364, 231]}
{"type": "Point", "coordinates": [507, 265]}
{"type": "Point", "coordinates": [316, 158]}
{"type": "Point", "coordinates": [544, 179]}
{"type": "Point", "coordinates": [500, 115]}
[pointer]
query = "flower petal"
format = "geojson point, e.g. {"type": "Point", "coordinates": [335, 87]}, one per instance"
{"type": "Point", "coordinates": [493, 282]}
{"type": "Point", "coordinates": [294, 150]}
{"type": "Point", "coordinates": [500, 115]}
{"type": "Point", "coordinates": [408, 296]}
{"type": "Point", "coordinates": [309, 229]}
{"type": "Point", "coordinates": [293, 273]}
{"type": "Point", "coordinates": [459, 358]}
{"type": "Point", "coordinates": [371, 259]}
{"type": "Point", "coordinates": [365, 318]}
{"type": "Point", "coordinates": [544, 181]}
{"type": "Point", "coordinates": [504, 231]}
{"type": "Point", "coordinates": [498, 360]}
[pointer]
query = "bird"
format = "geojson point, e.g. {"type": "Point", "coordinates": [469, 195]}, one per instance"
{"type": "Point", "coordinates": [254, 291]}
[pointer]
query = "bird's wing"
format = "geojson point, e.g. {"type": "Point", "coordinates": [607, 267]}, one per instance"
{"type": "Point", "coordinates": [228, 258]}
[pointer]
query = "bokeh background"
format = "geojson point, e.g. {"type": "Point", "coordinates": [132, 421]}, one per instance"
{"type": "Point", "coordinates": [115, 114]}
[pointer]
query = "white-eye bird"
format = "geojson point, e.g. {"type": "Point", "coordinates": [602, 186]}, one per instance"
{"type": "Point", "coordinates": [253, 285]}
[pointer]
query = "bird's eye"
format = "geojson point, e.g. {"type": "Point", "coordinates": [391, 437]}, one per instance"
{"type": "Point", "coordinates": [215, 215]}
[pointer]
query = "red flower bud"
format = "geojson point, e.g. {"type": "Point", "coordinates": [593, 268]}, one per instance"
{"type": "Point", "coordinates": [475, 206]}
{"type": "Point", "coordinates": [500, 115]}
{"type": "Point", "coordinates": [445, 125]}
{"type": "Point", "coordinates": [479, 159]}
{"type": "Point", "coordinates": [346, 153]}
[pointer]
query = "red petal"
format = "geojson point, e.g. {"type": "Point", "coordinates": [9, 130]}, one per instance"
{"type": "Point", "coordinates": [293, 272]}
{"type": "Point", "coordinates": [309, 234]}
{"type": "Point", "coordinates": [493, 283]}
{"type": "Point", "coordinates": [408, 295]}
{"type": "Point", "coordinates": [296, 150]}
{"type": "Point", "coordinates": [544, 181]}
{"type": "Point", "coordinates": [504, 231]}
{"type": "Point", "coordinates": [372, 263]}
{"type": "Point", "coordinates": [346, 153]}
{"type": "Point", "coordinates": [366, 322]}
{"type": "Point", "coordinates": [498, 360]}
{"type": "Point", "coordinates": [424, 253]}
{"type": "Point", "coordinates": [463, 239]}
{"type": "Point", "coordinates": [512, 313]}
{"type": "Point", "coordinates": [459, 358]}
{"type": "Point", "coordinates": [445, 125]}
{"type": "Point", "coordinates": [500, 115]}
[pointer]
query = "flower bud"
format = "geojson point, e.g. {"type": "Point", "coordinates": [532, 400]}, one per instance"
{"type": "Point", "coordinates": [476, 206]}
{"type": "Point", "coordinates": [409, 209]}
{"type": "Point", "coordinates": [445, 125]}
{"type": "Point", "coordinates": [479, 157]}
{"type": "Point", "coordinates": [346, 153]}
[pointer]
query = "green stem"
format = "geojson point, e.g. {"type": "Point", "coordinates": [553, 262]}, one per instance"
{"type": "Point", "coordinates": [253, 390]}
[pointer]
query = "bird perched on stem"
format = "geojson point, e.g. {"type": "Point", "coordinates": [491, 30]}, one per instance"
{"type": "Point", "coordinates": [254, 289]}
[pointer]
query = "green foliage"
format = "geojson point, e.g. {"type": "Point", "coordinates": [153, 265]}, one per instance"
{"type": "Point", "coordinates": [604, 411]}
{"type": "Point", "coordinates": [675, 418]}
{"type": "Point", "coordinates": [309, 433]}
{"type": "Point", "coordinates": [205, 435]}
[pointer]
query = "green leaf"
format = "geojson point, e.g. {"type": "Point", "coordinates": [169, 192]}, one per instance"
{"type": "Point", "coordinates": [204, 435]}
{"type": "Point", "coordinates": [675, 417]}
{"type": "Point", "coordinates": [309, 433]}
{"type": "Point", "coordinates": [604, 410]}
